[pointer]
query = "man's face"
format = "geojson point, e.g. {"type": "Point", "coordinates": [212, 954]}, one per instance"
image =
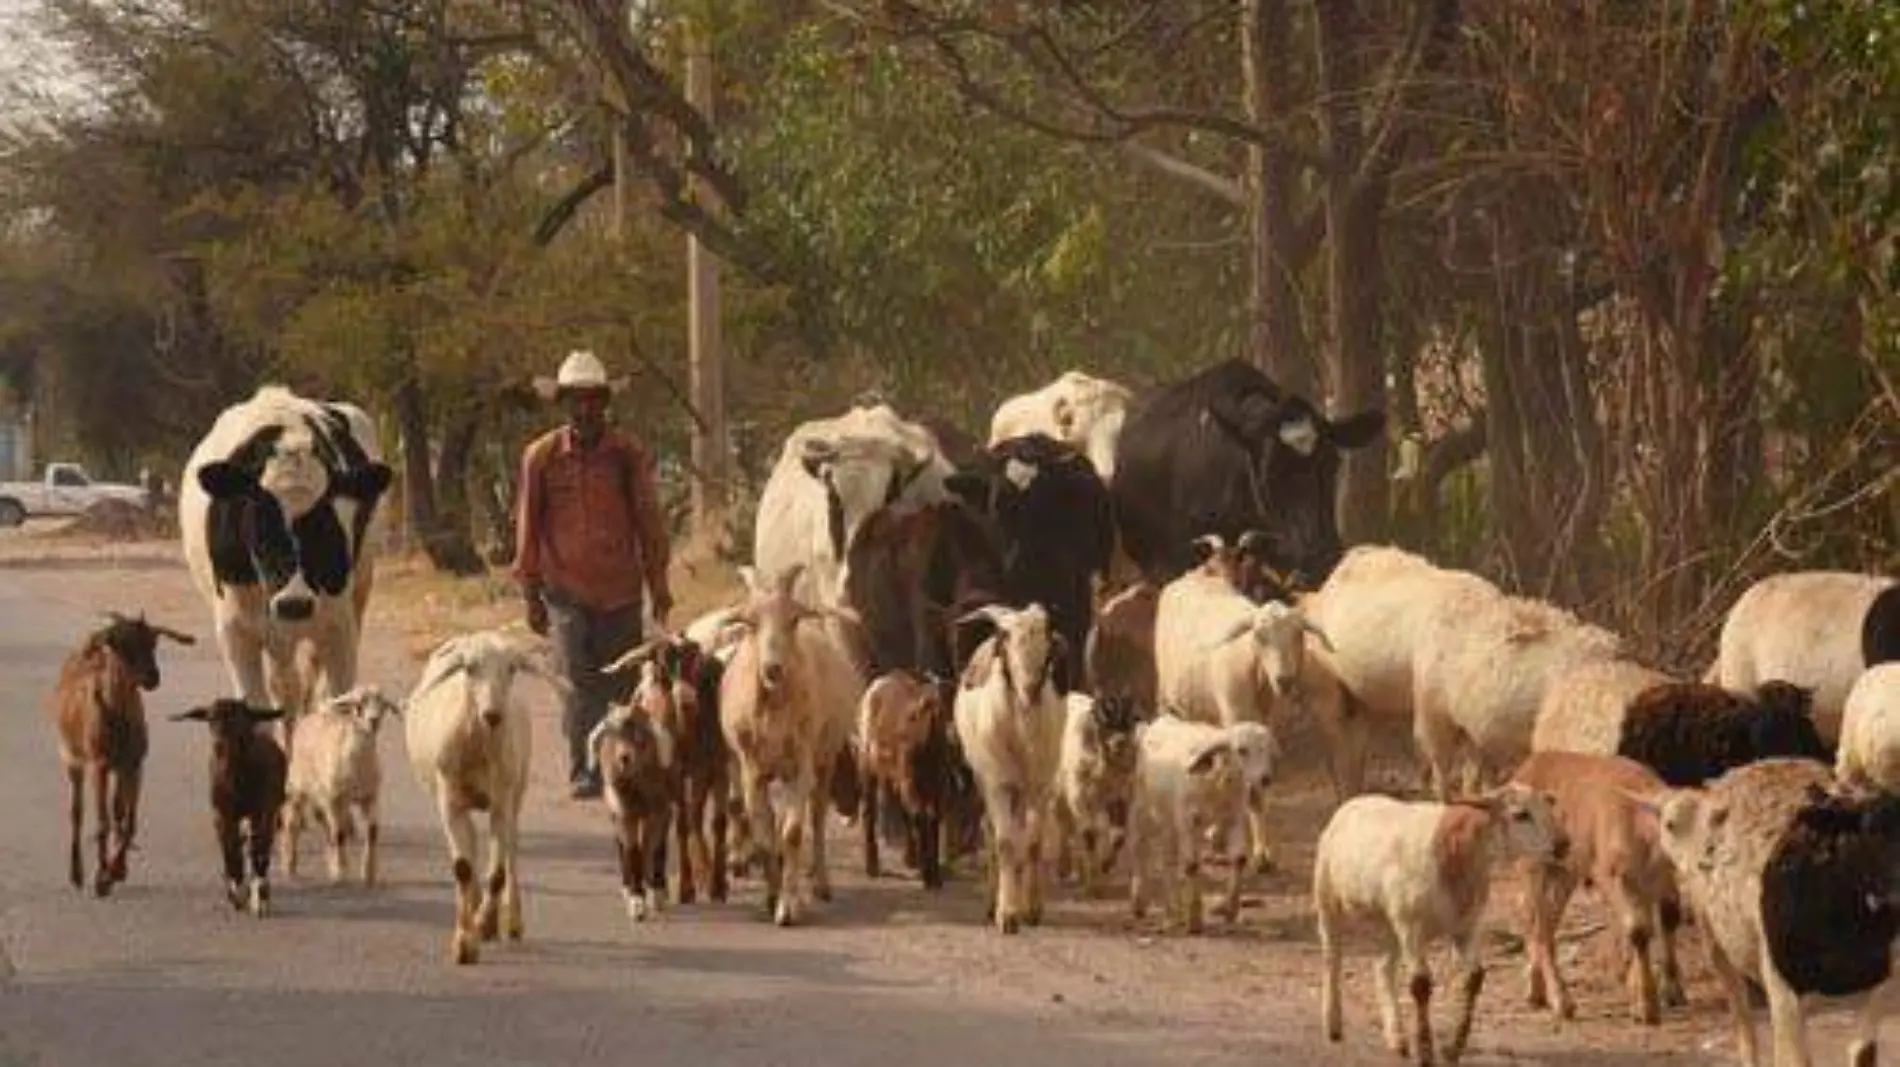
{"type": "Point", "coordinates": [587, 412]}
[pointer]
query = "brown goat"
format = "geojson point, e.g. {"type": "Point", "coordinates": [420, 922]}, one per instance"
{"type": "Point", "coordinates": [248, 771]}
{"type": "Point", "coordinates": [679, 689]}
{"type": "Point", "coordinates": [100, 716]}
{"type": "Point", "coordinates": [639, 763]}
{"type": "Point", "coordinates": [904, 751]}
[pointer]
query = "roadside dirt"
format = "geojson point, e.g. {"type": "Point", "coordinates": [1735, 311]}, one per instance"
{"type": "Point", "coordinates": [1090, 960]}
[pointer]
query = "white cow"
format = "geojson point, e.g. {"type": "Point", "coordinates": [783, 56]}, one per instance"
{"type": "Point", "coordinates": [1078, 409]}
{"type": "Point", "coordinates": [831, 475]}
{"type": "Point", "coordinates": [273, 511]}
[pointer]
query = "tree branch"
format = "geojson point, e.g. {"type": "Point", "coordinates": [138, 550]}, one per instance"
{"type": "Point", "coordinates": [1175, 167]}
{"type": "Point", "coordinates": [563, 211]}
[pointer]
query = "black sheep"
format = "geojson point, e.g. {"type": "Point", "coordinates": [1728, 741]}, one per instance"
{"type": "Point", "coordinates": [1691, 732]}
{"type": "Point", "coordinates": [1828, 907]}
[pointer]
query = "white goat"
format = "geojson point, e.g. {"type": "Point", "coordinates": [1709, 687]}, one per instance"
{"type": "Point", "coordinates": [1193, 779]}
{"type": "Point", "coordinates": [335, 771]}
{"type": "Point", "coordinates": [1869, 752]}
{"type": "Point", "coordinates": [1095, 776]}
{"type": "Point", "coordinates": [469, 744]}
{"type": "Point", "coordinates": [1009, 722]}
{"type": "Point", "coordinates": [1221, 658]}
{"type": "Point", "coordinates": [1423, 870]}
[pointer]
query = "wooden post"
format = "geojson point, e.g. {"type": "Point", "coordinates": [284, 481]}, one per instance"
{"type": "Point", "coordinates": [705, 352]}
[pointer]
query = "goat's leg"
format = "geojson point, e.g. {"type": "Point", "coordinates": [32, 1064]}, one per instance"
{"type": "Point", "coordinates": [292, 833]}
{"type": "Point", "coordinates": [804, 799]}
{"type": "Point", "coordinates": [1063, 828]}
{"type": "Point", "coordinates": [762, 829]}
{"type": "Point", "coordinates": [1412, 959]}
{"type": "Point", "coordinates": [337, 816]}
{"type": "Point", "coordinates": [102, 813]}
{"type": "Point", "coordinates": [1881, 1003]}
{"type": "Point", "coordinates": [125, 818]}
{"type": "Point", "coordinates": [713, 792]}
{"type": "Point", "coordinates": [1546, 895]}
{"type": "Point", "coordinates": [76, 817]}
{"type": "Point", "coordinates": [654, 841]}
{"type": "Point", "coordinates": [372, 838]}
{"type": "Point", "coordinates": [1737, 991]}
{"type": "Point", "coordinates": [817, 781]}
{"type": "Point", "coordinates": [459, 830]}
{"type": "Point", "coordinates": [1668, 922]}
{"type": "Point", "coordinates": [1136, 841]}
{"type": "Point", "coordinates": [231, 845]}
{"type": "Point", "coordinates": [1635, 915]}
{"type": "Point", "coordinates": [1035, 860]}
{"type": "Point", "coordinates": [1471, 968]}
{"type": "Point", "coordinates": [500, 910]}
{"type": "Point", "coordinates": [867, 819]}
{"type": "Point", "coordinates": [688, 816]}
{"type": "Point", "coordinates": [1260, 852]}
{"type": "Point", "coordinates": [1785, 1017]}
{"type": "Point", "coordinates": [632, 867]}
{"type": "Point", "coordinates": [1326, 921]}
{"type": "Point", "coordinates": [263, 836]}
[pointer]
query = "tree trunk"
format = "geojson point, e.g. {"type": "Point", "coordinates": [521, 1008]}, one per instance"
{"type": "Point", "coordinates": [453, 546]}
{"type": "Point", "coordinates": [447, 546]}
{"type": "Point", "coordinates": [1274, 334]}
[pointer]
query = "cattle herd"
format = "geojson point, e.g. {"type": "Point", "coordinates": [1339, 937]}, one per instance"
{"type": "Point", "coordinates": [1067, 653]}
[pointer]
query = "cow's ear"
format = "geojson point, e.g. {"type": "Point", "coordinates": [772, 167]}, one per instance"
{"type": "Point", "coordinates": [1355, 431]}
{"type": "Point", "coordinates": [222, 480]}
{"type": "Point", "coordinates": [364, 483]}
{"type": "Point", "coordinates": [972, 487]}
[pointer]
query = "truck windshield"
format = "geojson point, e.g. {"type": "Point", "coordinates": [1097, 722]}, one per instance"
{"type": "Point", "coordinates": [69, 476]}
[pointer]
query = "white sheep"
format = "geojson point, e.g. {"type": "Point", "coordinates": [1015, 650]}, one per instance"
{"type": "Point", "coordinates": [1584, 707]}
{"type": "Point", "coordinates": [1221, 658]}
{"type": "Point", "coordinates": [1193, 780]}
{"type": "Point", "coordinates": [1479, 679]}
{"type": "Point", "coordinates": [1009, 721]}
{"type": "Point", "coordinates": [1814, 629]}
{"type": "Point", "coordinates": [1421, 869]}
{"type": "Point", "coordinates": [1869, 752]}
{"type": "Point", "coordinates": [336, 772]}
{"type": "Point", "coordinates": [469, 743]}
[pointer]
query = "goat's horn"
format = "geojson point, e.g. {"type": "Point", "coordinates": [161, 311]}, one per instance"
{"type": "Point", "coordinates": [177, 635]}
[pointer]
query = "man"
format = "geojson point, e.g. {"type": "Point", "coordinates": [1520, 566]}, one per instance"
{"type": "Point", "coordinates": [589, 531]}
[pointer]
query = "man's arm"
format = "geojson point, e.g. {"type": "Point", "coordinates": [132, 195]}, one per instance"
{"type": "Point", "coordinates": [649, 519]}
{"type": "Point", "coordinates": [528, 524]}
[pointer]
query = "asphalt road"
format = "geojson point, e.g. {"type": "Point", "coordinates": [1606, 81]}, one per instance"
{"type": "Point", "coordinates": [165, 972]}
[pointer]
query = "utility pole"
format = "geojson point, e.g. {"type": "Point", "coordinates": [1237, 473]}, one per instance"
{"type": "Point", "coordinates": [707, 359]}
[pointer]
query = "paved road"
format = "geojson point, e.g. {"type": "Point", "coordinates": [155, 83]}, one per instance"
{"type": "Point", "coordinates": [165, 972]}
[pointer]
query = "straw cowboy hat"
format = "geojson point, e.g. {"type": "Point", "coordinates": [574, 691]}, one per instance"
{"type": "Point", "coordinates": [580, 370]}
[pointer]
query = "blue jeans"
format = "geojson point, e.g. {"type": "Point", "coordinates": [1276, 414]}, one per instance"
{"type": "Point", "coordinates": [584, 640]}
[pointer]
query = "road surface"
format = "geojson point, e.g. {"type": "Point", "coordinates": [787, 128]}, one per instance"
{"type": "Point", "coordinates": [165, 972]}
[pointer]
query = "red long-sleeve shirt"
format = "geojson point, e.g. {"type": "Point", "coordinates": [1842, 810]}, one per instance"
{"type": "Point", "coordinates": [576, 531]}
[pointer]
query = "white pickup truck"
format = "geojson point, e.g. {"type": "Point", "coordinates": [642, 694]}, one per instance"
{"type": "Point", "coordinates": [64, 489]}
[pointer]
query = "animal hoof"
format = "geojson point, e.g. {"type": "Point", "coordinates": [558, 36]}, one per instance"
{"type": "Point", "coordinates": [118, 868]}
{"type": "Point", "coordinates": [1010, 925]}
{"type": "Point", "coordinates": [783, 915]}
{"type": "Point", "coordinates": [489, 925]}
{"type": "Point", "coordinates": [636, 907]}
{"type": "Point", "coordinates": [260, 899]}
{"type": "Point", "coordinates": [234, 893]}
{"type": "Point", "coordinates": [1672, 997]}
{"type": "Point", "coordinates": [464, 951]}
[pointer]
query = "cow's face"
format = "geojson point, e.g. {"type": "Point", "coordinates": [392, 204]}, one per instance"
{"type": "Point", "coordinates": [1293, 456]}
{"type": "Point", "coordinates": [305, 507]}
{"type": "Point", "coordinates": [860, 475]}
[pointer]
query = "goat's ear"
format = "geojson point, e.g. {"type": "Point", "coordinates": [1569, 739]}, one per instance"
{"type": "Point", "coordinates": [1239, 627]}
{"type": "Point", "coordinates": [1210, 756]}
{"type": "Point", "coordinates": [264, 714]}
{"type": "Point", "coordinates": [176, 635]}
{"type": "Point", "coordinates": [535, 666]}
{"type": "Point", "coordinates": [194, 715]}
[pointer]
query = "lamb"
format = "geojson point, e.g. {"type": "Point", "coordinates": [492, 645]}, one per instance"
{"type": "Point", "coordinates": [1220, 658]}
{"type": "Point", "coordinates": [1193, 780]}
{"type": "Point", "coordinates": [1814, 629]}
{"type": "Point", "coordinates": [635, 753]}
{"type": "Point", "coordinates": [248, 770]}
{"type": "Point", "coordinates": [99, 714]}
{"type": "Point", "coordinates": [1869, 755]}
{"type": "Point", "coordinates": [679, 688]}
{"type": "Point", "coordinates": [469, 745]}
{"type": "Point", "coordinates": [1009, 721]}
{"type": "Point", "coordinates": [335, 770]}
{"type": "Point", "coordinates": [1479, 681]}
{"type": "Point", "coordinates": [785, 705]}
{"type": "Point", "coordinates": [904, 745]}
{"type": "Point", "coordinates": [1614, 848]}
{"type": "Point", "coordinates": [1094, 782]}
{"type": "Point", "coordinates": [1795, 890]}
{"type": "Point", "coordinates": [1690, 732]}
{"type": "Point", "coordinates": [1422, 869]}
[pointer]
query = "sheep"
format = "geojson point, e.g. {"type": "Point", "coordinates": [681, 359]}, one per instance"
{"type": "Point", "coordinates": [1583, 708]}
{"type": "Point", "coordinates": [470, 744]}
{"type": "Point", "coordinates": [1376, 607]}
{"type": "Point", "coordinates": [1120, 653]}
{"type": "Point", "coordinates": [634, 751]}
{"type": "Point", "coordinates": [1009, 721]}
{"type": "Point", "coordinates": [904, 745]}
{"type": "Point", "coordinates": [248, 771]}
{"type": "Point", "coordinates": [1690, 732]}
{"type": "Point", "coordinates": [785, 705]}
{"type": "Point", "coordinates": [1794, 889]}
{"type": "Point", "coordinates": [679, 688]}
{"type": "Point", "coordinates": [1614, 848]}
{"type": "Point", "coordinates": [1814, 629]}
{"type": "Point", "coordinates": [1869, 752]}
{"type": "Point", "coordinates": [1193, 780]}
{"type": "Point", "coordinates": [334, 768]}
{"type": "Point", "coordinates": [1206, 672]}
{"type": "Point", "coordinates": [1422, 869]}
{"type": "Point", "coordinates": [1479, 679]}
{"type": "Point", "coordinates": [1094, 782]}
{"type": "Point", "coordinates": [99, 715]}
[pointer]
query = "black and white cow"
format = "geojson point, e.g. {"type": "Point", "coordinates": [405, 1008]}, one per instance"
{"type": "Point", "coordinates": [273, 510]}
{"type": "Point", "coordinates": [1225, 451]}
